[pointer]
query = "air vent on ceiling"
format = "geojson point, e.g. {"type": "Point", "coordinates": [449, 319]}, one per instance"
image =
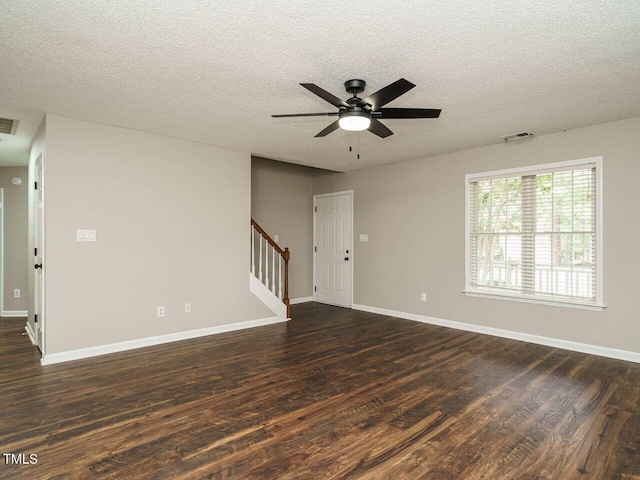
{"type": "Point", "coordinates": [8, 125]}
{"type": "Point", "coordinates": [516, 136]}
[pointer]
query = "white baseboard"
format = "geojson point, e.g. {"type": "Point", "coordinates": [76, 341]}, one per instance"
{"type": "Point", "coordinates": [14, 313]}
{"type": "Point", "coordinates": [295, 301]}
{"type": "Point", "coordinates": [32, 336]}
{"type": "Point", "coordinates": [497, 332]}
{"type": "Point", "coordinates": [52, 358]}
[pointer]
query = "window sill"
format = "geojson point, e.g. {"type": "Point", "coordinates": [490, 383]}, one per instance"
{"type": "Point", "coordinates": [541, 301]}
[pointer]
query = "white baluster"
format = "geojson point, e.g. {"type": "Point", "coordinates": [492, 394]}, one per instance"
{"type": "Point", "coordinates": [280, 277]}
{"type": "Point", "coordinates": [266, 263]}
{"type": "Point", "coordinates": [260, 260]}
{"type": "Point", "coordinates": [273, 263]}
{"type": "Point", "coordinates": [253, 251]}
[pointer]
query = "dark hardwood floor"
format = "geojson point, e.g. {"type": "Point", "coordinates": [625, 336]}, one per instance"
{"type": "Point", "coordinates": [333, 394]}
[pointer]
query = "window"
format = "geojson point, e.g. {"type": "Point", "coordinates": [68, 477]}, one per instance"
{"type": "Point", "coordinates": [535, 233]}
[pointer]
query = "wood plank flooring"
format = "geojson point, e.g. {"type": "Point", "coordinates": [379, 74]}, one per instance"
{"type": "Point", "coordinates": [333, 394]}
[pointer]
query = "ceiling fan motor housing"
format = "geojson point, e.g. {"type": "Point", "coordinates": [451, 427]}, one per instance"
{"type": "Point", "coordinates": [355, 112]}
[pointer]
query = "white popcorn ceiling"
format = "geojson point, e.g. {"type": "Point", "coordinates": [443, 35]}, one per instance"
{"type": "Point", "coordinates": [214, 72]}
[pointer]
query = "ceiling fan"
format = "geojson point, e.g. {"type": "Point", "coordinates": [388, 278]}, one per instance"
{"type": "Point", "coordinates": [357, 114]}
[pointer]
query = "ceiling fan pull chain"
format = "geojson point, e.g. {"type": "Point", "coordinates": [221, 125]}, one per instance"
{"type": "Point", "coordinates": [358, 148]}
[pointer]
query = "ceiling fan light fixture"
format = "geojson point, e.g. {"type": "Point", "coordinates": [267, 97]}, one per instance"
{"type": "Point", "coordinates": [355, 120]}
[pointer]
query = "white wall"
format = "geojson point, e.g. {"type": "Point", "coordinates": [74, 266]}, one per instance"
{"type": "Point", "coordinates": [172, 220]}
{"type": "Point", "coordinates": [414, 215]}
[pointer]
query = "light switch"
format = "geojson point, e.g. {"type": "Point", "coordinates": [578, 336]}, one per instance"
{"type": "Point", "coordinates": [86, 235]}
{"type": "Point", "coordinates": [364, 237]}
{"type": "Point", "coordinates": [275, 238]}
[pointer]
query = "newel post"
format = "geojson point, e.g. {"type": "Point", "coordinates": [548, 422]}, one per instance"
{"type": "Point", "coordinates": [286, 255]}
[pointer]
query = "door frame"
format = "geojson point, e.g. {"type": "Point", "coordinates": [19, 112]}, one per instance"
{"type": "Point", "coordinates": [1, 252]}
{"type": "Point", "coordinates": [39, 228]}
{"type": "Point", "coordinates": [352, 256]}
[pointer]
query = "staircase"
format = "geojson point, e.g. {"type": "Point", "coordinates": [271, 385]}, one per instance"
{"type": "Point", "coordinates": [269, 275]}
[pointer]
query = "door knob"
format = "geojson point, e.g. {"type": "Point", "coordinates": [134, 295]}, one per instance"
{"type": "Point", "coordinates": [346, 258]}
{"type": "Point", "coordinates": [38, 265]}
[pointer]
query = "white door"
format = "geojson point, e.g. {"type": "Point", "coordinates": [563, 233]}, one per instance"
{"type": "Point", "coordinates": [333, 252]}
{"type": "Point", "coordinates": [39, 257]}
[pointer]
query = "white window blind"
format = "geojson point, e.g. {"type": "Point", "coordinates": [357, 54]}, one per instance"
{"type": "Point", "coordinates": [534, 233]}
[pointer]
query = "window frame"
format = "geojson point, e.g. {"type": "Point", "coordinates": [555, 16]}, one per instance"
{"type": "Point", "coordinates": [536, 170]}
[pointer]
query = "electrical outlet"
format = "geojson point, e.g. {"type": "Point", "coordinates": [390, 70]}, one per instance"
{"type": "Point", "coordinates": [16, 293]}
{"type": "Point", "coordinates": [187, 308]}
{"type": "Point", "coordinates": [423, 297]}
{"type": "Point", "coordinates": [160, 312]}
{"type": "Point", "coordinates": [86, 235]}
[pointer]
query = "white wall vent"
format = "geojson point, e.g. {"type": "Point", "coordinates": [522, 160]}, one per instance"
{"type": "Point", "coordinates": [8, 125]}
{"type": "Point", "coordinates": [516, 136]}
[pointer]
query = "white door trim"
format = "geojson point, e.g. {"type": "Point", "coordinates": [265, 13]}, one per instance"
{"type": "Point", "coordinates": [352, 255]}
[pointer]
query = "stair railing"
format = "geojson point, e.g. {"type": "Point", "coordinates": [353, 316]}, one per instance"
{"type": "Point", "coordinates": [268, 252]}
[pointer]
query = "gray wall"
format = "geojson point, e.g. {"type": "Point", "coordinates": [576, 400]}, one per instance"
{"type": "Point", "coordinates": [172, 220]}
{"type": "Point", "coordinates": [414, 215]}
{"type": "Point", "coordinates": [282, 203]}
{"type": "Point", "coordinates": [15, 237]}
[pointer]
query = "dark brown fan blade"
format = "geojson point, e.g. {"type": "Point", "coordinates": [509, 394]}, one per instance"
{"type": "Point", "coordinates": [409, 112]}
{"type": "Point", "coordinates": [332, 114]}
{"type": "Point", "coordinates": [379, 129]}
{"type": "Point", "coordinates": [388, 93]}
{"type": "Point", "coordinates": [334, 126]}
{"type": "Point", "coordinates": [332, 99]}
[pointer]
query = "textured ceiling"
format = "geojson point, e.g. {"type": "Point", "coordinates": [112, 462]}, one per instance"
{"type": "Point", "coordinates": [215, 71]}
